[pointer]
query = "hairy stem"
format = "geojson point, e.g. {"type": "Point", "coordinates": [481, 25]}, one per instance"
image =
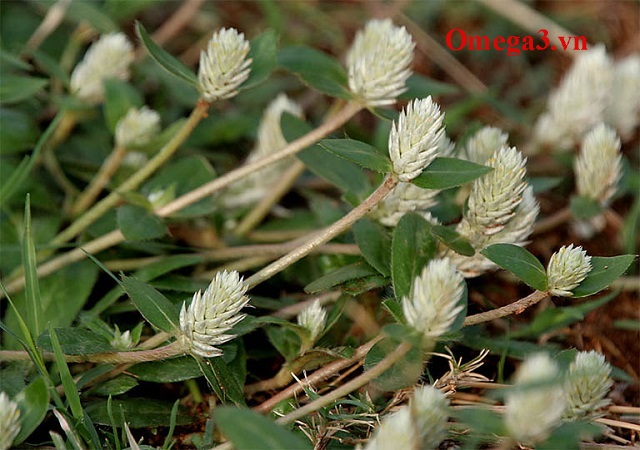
{"type": "Point", "coordinates": [512, 308]}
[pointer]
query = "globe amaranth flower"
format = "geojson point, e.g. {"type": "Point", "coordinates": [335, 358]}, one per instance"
{"type": "Point", "coordinates": [435, 299]}
{"type": "Point", "coordinates": [419, 425]}
{"type": "Point", "coordinates": [586, 386]}
{"type": "Point", "coordinates": [623, 110]}
{"type": "Point", "coordinates": [484, 143]}
{"type": "Point", "coordinates": [205, 323]}
{"type": "Point", "coordinates": [224, 66]}
{"type": "Point", "coordinates": [598, 167]}
{"type": "Point", "coordinates": [9, 421]}
{"type": "Point", "coordinates": [270, 139]}
{"type": "Point", "coordinates": [137, 127]}
{"type": "Point", "coordinates": [403, 198]}
{"type": "Point", "coordinates": [535, 404]}
{"type": "Point", "coordinates": [415, 140]}
{"type": "Point", "coordinates": [109, 57]}
{"type": "Point", "coordinates": [567, 268]}
{"type": "Point", "coordinates": [314, 319]}
{"type": "Point", "coordinates": [379, 62]}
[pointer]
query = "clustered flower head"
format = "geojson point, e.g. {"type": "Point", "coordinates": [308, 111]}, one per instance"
{"type": "Point", "coordinates": [623, 109]}
{"type": "Point", "coordinates": [224, 66]}
{"type": "Point", "coordinates": [137, 127]}
{"type": "Point", "coordinates": [109, 57]}
{"type": "Point", "coordinates": [579, 101]}
{"type": "Point", "coordinates": [9, 421]}
{"type": "Point", "coordinates": [567, 268]}
{"type": "Point", "coordinates": [379, 62]}
{"type": "Point", "coordinates": [419, 425]}
{"type": "Point", "coordinates": [414, 141]}
{"type": "Point", "coordinates": [314, 319]}
{"type": "Point", "coordinates": [586, 386]}
{"type": "Point", "coordinates": [204, 324]}
{"type": "Point", "coordinates": [484, 143]}
{"type": "Point", "coordinates": [403, 198]}
{"type": "Point", "coordinates": [598, 167]}
{"type": "Point", "coordinates": [270, 139]}
{"type": "Point", "coordinates": [435, 299]}
{"type": "Point", "coordinates": [536, 403]}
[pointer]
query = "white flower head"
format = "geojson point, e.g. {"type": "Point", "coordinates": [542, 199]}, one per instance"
{"type": "Point", "coordinates": [587, 385]}
{"type": "Point", "coordinates": [120, 340]}
{"type": "Point", "coordinates": [579, 101]}
{"type": "Point", "coordinates": [9, 421]}
{"type": "Point", "coordinates": [204, 323]}
{"type": "Point", "coordinates": [403, 198]}
{"type": "Point", "coordinates": [137, 127]}
{"type": "Point", "coordinates": [419, 425]}
{"type": "Point", "coordinates": [434, 302]}
{"type": "Point", "coordinates": [536, 404]}
{"type": "Point", "coordinates": [109, 57]}
{"type": "Point", "coordinates": [314, 319]}
{"type": "Point", "coordinates": [623, 110]}
{"type": "Point", "coordinates": [224, 66]}
{"type": "Point", "coordinates": [414, 141]}
{"type": "Point", "coordinates": [484, 143]}
{"type": "Point", "coordinates": [567, 268]}
{"type": "Point", "coordinates": [379, 62]}
{"type": "Point", "coordinates": [270, 139]}
{"type": "Point", "coordinates": [598, 167]}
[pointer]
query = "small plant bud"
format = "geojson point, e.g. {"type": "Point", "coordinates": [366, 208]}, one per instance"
{"type": "Point", "coordinates": [403, 198]}
{"type": "Point", "coordinates": [379, 62]}
{"type": "Point", "coordinates": [121, 341]}
{"type": "Point", "coordinates": [567, 268]}
{"type": "Point", "coordinates": [414, 141]}
{"type": "Point", "coordinates": [419, 425]}
{"type": "Point", "coordinates": [587, 385]}
{"type": "Point", "coordinates": [224, 66]}
{"type": "Point", "coordinates": [109, 57]}
{"type": "Point", "coordinates": [598, 167]}
{"type": "Point", "coordinates": [434, 302]}
{"type": "Point", "coordinates": [484, 143]}
{"type": "Point", "coordinates": [534, 406]}
{"type": "Point", "coordinates": [314, 319]}
{"type": "Point", "coordinates": [210, 315]}
{"type": "Point", "coordinates": [9, 421]}
{"type": "Point", "coordinates": [137, 127]}
{"type": "Point", "coordinates": [623, 110]}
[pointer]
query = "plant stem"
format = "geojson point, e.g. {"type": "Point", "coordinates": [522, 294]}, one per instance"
{"type": "Point", "coordinates": [324, 235]}
{"type": "Point", "coordinates": [67, 123]}
{"type": "Point", "coordinates": [136, 179]}
{"type": "Point", "coordinates": [370, 375]}
{"type": "Point", "coordinates": [512, 308]}
{"type": "Point", "coordinates": [552, 221]}
{"type": "Point", "coordinates": [101, 179]}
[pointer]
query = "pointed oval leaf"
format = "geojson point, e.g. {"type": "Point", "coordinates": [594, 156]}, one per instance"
{"type": "Point", "coordinates": [402, 374]}
{"type": "Point", "coordinates": [519, 262]}
{"type": "Point", "coordinates": [419, 86]}
{"type": "Point", "coordinates": [445, 173]}
{"type": "Point", "coordinates": [358, 152]}
{"type": "Point", "coordinates": [453, 240]}
{"type": "Point", "coordinates": [375, 244]}
{"type": "Point", "coordinates": [584, 208]}
{"type": "Point", "coordinates": [75, 341]}
{"type": "Point", "coordinates": [14, 88]}
{"type": "Point", "coordinates": [604, 271]}
{"type": "Point", "coordinates": [139, 224]}
{"type": "Point", "coordinates": [33, 402]}
{"type": "Point", "coordinates": [172, 65]}
{"type": "Point", "coordinates": [339, 276]}
{"type": "Point", "coordinates": [222, 380]}
{"type": "Point", "coordinates": [154, 306]}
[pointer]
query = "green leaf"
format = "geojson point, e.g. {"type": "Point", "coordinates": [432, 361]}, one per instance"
{"type": "Point", "coordinates": [89, 12]}
{"type": "Point", "coordinates": [519, 262]}
{"type": "Point", "coordinates": [248, 430]}
{"type": "Point", "coordinates": [116, 386]}
{"type": "Point", "coordinates": [316, 69]}
{"type": "Point", "coordinates": [584, 208]}
{"type": "Point", "coordinates": [343, 174]}
{"type": "Point", "coordinates": [445, 173]}
{"type": "Point", "coordinates": [285, 340]}
{"type": "Point", "coordinates": [404, 373]}
{"type": "Point", "coordinates": [358, 152]}
{"type": "Point", "coordinates": [139, 224]}
{"type": "Point", "coordinates": [33, 402]}
{"type": "Point", "coordinates": [627, 324]}
{"type": "Point", "coordinates": [543, 184]}
{"type": "Point", "coordinates": [222, 380]}
{"type": "Point", "coordinates": [419, 86]}
{"type": "Point", "coordinates": [375, 244]}
{"type": "Point", "coordinates": [119, 98]}
{"type": "Point", "coordinates": [69, 385]}
{"type": "Point", "coordinates": [17, 133]}
{"type": "Point", "coordinates": [14, 88]}
{"type": "Point", "coordinates": [154, 306]}
{"type": "Point", "coordinates": [604, 271]}
{"type": "Point", "coordinates": [411, 249]}
{"type": "Point", "coordinates": [168, 62]}
{"type": "Point", "coordinates": [33, 303]}
{"type": "Point", "coordinates": [263, 51]}
{"type": "Point", "coordinates": [75, 341]}
{"type": "Point", "coordinates": [168, 370]}
{"type": "Point", "coordinates": [138, 412]}
{"type": "Point", "coordinates": [453, 240]}
{"type": "Point", "coordinates": [339, 276]}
